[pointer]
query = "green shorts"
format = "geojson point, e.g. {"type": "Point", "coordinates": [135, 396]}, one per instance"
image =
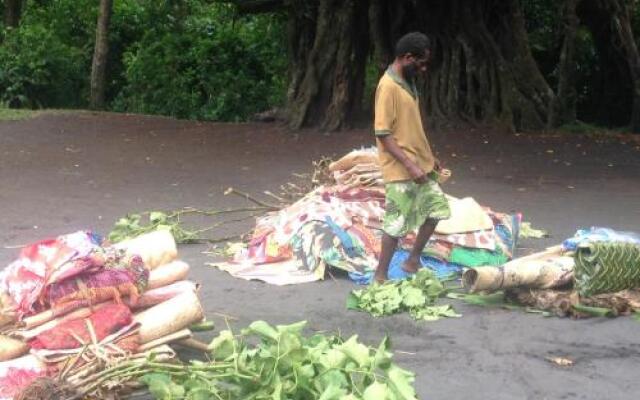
{"type": "Point", "coordinates": [409, 205]}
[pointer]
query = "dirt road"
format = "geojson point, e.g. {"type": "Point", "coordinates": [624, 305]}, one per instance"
{"type": "Point", "coordinates": [60, 173]}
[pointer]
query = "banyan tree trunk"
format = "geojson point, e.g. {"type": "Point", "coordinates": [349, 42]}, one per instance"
{"type": "Point", "coordinates": [483, 70]}
{"type": "Point", "coordinates": [564, 109]}
{"type": "Point", "coordinates": [12, 13]}
{"type": "Point", "coordinates": [621, 26]}
{"type": "Point", "coordinates": [329, 44]}
{"type": "Point", "coordinates": [618, 84]}
{"type": "Point", "coordinates": [100, 53]}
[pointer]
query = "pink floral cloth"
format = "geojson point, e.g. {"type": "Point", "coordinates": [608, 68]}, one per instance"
{"type": "Point", "coordinates": [44, 263]}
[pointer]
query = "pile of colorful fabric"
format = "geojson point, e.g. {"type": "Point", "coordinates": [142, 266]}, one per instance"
{"type": "Point", "coordinates": [596, 271]}
{"type": "Point", "coordinates": [340, 226]}
{"type": "Point", "coordinates": [78, 304]}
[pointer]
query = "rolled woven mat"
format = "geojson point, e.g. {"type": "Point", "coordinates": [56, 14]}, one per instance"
{"type": "Point", "coordinates": [12, 348]}
{"type": "Point", "coordinates": [167, 274]}
{"type": "Point", "coordinates": [155, 248]}
{"type": "Point", "coordinates": [169, 317]}
{"type": "Point", "coordinates": [6, 315]}
{"type": "Point", "coordinates": [354, 158]}
{"type": "Point", "coordinates": [156, 296]}
{"type": "Point", "coordinates": [542, 270]}
{"type": "Point", "coordinates": [607, 267]}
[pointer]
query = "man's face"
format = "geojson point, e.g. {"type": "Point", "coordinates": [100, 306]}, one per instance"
{"type": "Point", "coordinates": [413, 65]}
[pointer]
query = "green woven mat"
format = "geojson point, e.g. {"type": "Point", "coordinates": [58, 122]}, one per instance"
{"type": "Point", "coordinates": [607, 267]}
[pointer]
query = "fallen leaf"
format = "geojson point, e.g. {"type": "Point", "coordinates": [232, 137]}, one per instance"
{"type": "Point", "coordinates": [560, 361]}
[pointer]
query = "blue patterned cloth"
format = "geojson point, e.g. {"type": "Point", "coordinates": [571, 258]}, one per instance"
{"type": "Point", "coordinates": [442, 269]}
{"type": "Point", "coordinates": [596, 234]}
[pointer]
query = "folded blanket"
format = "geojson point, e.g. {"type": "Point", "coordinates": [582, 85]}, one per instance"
{"type": "Point", "coordinates": [76, 333]}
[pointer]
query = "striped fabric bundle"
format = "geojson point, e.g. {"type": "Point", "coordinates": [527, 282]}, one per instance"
{"type": "Point", "coordinates": [95, 287]}
{"type": "Point", "coordinates": [606, 267]}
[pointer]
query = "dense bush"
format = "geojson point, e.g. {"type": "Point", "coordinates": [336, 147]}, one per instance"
{"type": "Point", "coordinates": [207, 66]}
{"type": "Point", "coordinates": [188, 58]}
{"type": "Point", "coordinates": [45, 62]}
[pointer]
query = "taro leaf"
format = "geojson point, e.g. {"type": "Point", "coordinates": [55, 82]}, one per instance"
{"type": "Point", "coordinates": [490, 300]}
{"type": "Point", "coordinates": [277, 388]}
{"type": "Point", "coordinates": [290, 350]}
{"type": "Point", "coordinates": [201, 394]}
{"type": "Point", "coordinates": [356, 351]}
{"type": "Point", "coordinates": [263, 330]}
{"type": "Point", "coordinates": [292, 328]}
{"type": "Point", "coordinates": [332, 392]}
{"type": "Point", "coordinates": [165, 227]}
{"type": "Point", "coordinates": [376, 391]}
{"type": "Point", "coordinates": [434, 289]}
{"type": "Point", "coordinates": [222, 346]}
{"type": "Point", "coordinates": [157, 217]}
{"type": "Point", "coordinates": [334, 377]}
{"type": "Point", "coordinates": [401, 382]}
{"type": "Point", "coordinates": [332, 359]}
{"type": "Point", "coordinates": [162, 387]}
{"type": "Point", "coordinates": [353, 301]}
{"type": "Point", "coordinates": [413, 297]}
{"type": "Point", "coordinates": [382, 358]}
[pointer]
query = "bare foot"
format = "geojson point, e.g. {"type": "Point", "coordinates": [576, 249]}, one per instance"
{"type": "Point", "coordinates": [411, 266]}
{"type": "Point", "coordinates": [379, 279]}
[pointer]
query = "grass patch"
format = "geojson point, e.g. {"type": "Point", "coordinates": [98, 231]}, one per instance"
{"type": "Point", "coordinates": [11, 114]}
{"type": "Point", "coordinates": [579, 127]}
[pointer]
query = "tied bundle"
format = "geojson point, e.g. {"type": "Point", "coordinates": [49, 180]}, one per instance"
{"type": "Point", "coordinates": [98, 307]}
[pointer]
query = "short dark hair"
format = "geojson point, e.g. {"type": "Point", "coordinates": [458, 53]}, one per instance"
{"type": "Point", "coordinates": [415, 43]}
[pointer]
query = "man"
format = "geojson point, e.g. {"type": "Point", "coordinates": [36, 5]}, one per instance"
{"type": "Point", "coordinates": [414, 199]}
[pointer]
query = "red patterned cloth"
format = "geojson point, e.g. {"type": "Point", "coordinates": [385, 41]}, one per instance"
{"type": "Point", "coordinates": [43, 263]}
{"type": "Point", "coordinates": [99, 286]}
{"type": "Point", "coordinates": [75, 333]}
{"type": "Point", "coordinates": [19, 373]}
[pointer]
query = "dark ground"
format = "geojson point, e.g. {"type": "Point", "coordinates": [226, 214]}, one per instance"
{"type": "Point", "coordinates": [60, 173]}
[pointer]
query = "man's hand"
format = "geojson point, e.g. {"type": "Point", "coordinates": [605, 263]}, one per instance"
{"type": "Point", "coordinates": [436, 164]}
{"type": "Point", "coordinates": [417, 174]}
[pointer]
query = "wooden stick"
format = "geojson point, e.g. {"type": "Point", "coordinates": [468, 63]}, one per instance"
{"type": "Point", "coordinates": [176, 336]}
{"type": "Point", "coordinates": [268, 193]}
{"type": "Point", "coordinates": [250, 198]}
{"type": "Point", "coordinates": [194, 344]}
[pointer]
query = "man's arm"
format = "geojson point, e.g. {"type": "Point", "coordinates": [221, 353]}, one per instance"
{"type": "Point", "coordinates": [389, 143]}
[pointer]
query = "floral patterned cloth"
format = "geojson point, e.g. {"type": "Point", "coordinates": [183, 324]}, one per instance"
{"type": "Point", "coordinates": [44, 263]}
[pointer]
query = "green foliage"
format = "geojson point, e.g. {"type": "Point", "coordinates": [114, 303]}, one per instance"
{"type": "Point", "coordinates": [210, 65]}
{"type": "Point", "coordinates": [285, 364]}
{"type": "Point", "coordinates": [9, 114]}
{"type": "Point", "coordinates": [38, 70]}
{"type": "Point", "coordinates": [189, 59]}
{"type": "Point", "coordinates": [134, 225]}
{"type": "Point", "coordinates": [417, 295]}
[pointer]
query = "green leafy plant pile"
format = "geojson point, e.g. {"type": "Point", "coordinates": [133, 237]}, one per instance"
{"type": "Point", "coordinates": [133, 225]}
{"type": "Point", "coordinates": [416, 295]}
{"type": "Point", "coordinates": [285, 364]}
